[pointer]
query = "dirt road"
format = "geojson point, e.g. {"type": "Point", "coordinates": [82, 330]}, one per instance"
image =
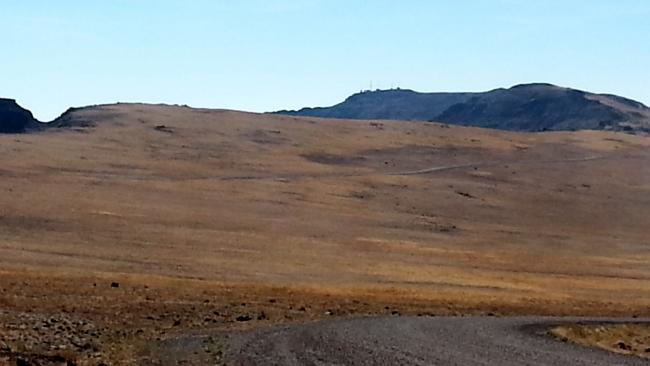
{"type": "Point", "coordinates": [416, 341]}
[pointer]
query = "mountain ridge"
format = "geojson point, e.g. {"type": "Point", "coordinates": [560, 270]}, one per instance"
{"type": "Point", "coordinates": [524, 107]}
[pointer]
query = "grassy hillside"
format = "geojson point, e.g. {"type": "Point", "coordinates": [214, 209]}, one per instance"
{"type": "Point", "coordinates": [194, 212]}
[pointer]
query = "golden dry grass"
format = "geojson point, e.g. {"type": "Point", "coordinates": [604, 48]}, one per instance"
{"type": "Point", "coordinates": [242, 205]}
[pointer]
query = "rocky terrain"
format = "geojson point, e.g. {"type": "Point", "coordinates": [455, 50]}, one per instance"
{"type": "Point", "coordinates": [14, 118]}
{"type": "Point", "coordinates": [630, 338]}
{"type": "Point", "coordinates": [527, 107]}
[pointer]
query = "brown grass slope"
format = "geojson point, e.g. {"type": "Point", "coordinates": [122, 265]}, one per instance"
{"type": "Point", "coordinates": [552, 222]}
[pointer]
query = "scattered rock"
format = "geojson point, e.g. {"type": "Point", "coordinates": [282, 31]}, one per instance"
{"type": "Point", "coordinates": [4, 347]}
{"type": "Point", "coordinates": [465, 194]}
{"type": "Point", "coordinates": [243, 318]}
{"type": "Point", "coordinates": [115, 285]}
{"type": "Point", "coordinates": [622, 345]}
{"type": "Point", "coordinates": [445, 228]}
{"type": "Point", "coordinates": [163, 128]}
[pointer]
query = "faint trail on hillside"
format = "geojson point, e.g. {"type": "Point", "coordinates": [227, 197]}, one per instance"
{"type": "Point", "coordinates": [487, 164]}
{"type": "Point", "coordinates": [415, 172]}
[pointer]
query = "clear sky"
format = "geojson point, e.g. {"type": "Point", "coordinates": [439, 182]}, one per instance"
{"type": "Point", "coordinates": [262, 55]}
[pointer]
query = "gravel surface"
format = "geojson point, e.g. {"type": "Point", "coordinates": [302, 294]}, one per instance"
{"type": "Point", "coordinates": [419, 341]}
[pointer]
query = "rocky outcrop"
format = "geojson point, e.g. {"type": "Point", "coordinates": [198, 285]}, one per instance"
{"type": "Point", "coordinates": [14, 118]}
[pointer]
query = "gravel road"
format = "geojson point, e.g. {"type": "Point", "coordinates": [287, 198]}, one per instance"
{"type": "Point", "coordinates": [418, 341]}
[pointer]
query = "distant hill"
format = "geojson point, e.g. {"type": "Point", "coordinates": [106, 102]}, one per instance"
{"type": "Point", "coordinates": [14, 118]}
{"type": "Point", "coordinates": [526, 107]}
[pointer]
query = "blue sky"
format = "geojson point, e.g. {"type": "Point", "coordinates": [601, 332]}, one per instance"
{"type": "Point", "coordinates": [262, 55]}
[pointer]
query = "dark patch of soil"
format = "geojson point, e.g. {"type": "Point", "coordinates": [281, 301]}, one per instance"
{"type": "Point", "coordinates": [331, 159]}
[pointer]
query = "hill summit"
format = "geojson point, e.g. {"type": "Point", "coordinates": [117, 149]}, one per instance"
{"type": "Point", "coordinates": [526, 107]}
